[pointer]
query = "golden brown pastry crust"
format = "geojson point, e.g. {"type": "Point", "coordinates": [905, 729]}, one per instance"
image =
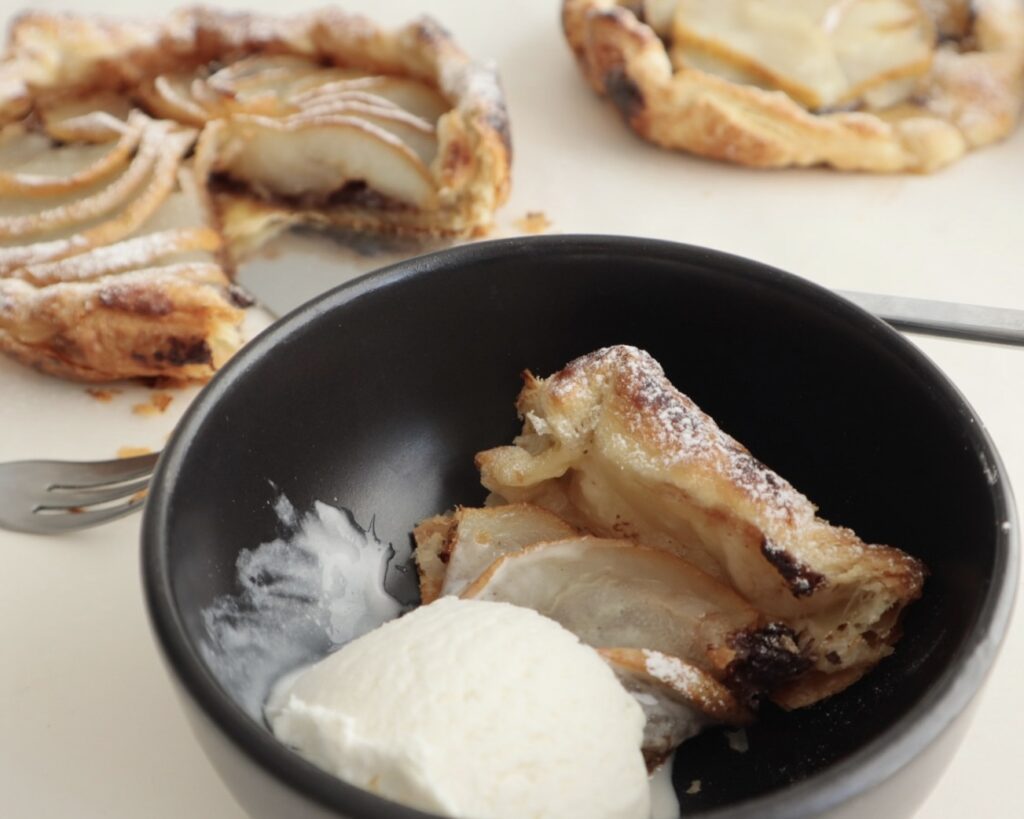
{"type": "Point", "coordinates": [610, 446]}
{"type": "Point", "coordinates": [176, 321]}
{"type": "Point", "coordinates": [971, 98]}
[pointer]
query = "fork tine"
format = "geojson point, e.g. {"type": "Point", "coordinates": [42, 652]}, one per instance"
{"type": "Point", "coordinates": [82, 475]}
{"type": "Point", "coordinates": [69, 521]}
{"type": "Point", "coordinates": [63, 498]}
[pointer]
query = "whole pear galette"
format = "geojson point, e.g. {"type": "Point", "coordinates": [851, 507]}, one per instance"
{"type": "Point", "coordinates": [140, 160]}
{"type": "Point", "coordinates": [870, 85]}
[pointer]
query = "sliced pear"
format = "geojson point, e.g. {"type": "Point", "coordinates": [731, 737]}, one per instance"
{"type": "Point", "coordinates": [170, 96]}
{"type": "Point", "coordinates": [318, 155]}
{"type": "Point", "coordinates": [98, 117]}
{"type": "Point", "coordinates": [684, 56]}
{"type": "Point", "coordinates": [414, 96]}
{"type": "Point", "coordinates": [25, 184]}
{"type": "Point", "coordinates": [265, 84]}
{"type": "Point", "coordinates": [121, 225]}
{"type": "Point", "coordinates": [131, 254]}
{"type": "Point", "coordinates": [882, 41]}
{"type": "Point", "coordinates": [102, 202]}
{"type": "Point", "coordinates": [478, 537]}
{"type": "Point", "coordinates": [325, 76]}
{"type": "Point", "coordinates": [678, 699]}
{"type": "Point", "coordinates": [338, 96]}
{"type": "Point", "coordinates": [781, 43]}
{"type": "Point", "coordinates": [823, 54]}
{"type": "Point", "coordinates": [413, 131]}
{"type": "Point", "coordinates": [615, 594]}
{"type": "Point", "coordinates": [262, 73]}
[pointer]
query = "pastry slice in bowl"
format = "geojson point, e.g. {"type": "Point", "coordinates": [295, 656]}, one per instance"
{"type": "Point", "coordinates": [609, 445]}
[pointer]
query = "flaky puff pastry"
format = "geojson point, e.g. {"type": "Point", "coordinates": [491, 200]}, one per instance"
{"type": "Point", "coordinates": [177, 321]}
{"type": "Point", "coordinates": [972, 95]}
{"type": "Point", "coordinates": [610, 446]}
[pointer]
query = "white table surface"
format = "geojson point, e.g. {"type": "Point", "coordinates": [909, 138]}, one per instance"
{"type": "Point", "coordinates": [89, 726]}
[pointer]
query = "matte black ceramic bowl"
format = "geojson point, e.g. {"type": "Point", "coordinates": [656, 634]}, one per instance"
{"type": "Point", "coordinates": [375, 397]}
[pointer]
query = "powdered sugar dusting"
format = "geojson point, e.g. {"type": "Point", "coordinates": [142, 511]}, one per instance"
{"type": "Point", "coordinates": [675, 427]}
{"type": "Point", "coordinates": [121, 256]}
{"type": "Point", "coordinates": [687, 680]}
{"type": "Point", "coordinates": [671, 670]}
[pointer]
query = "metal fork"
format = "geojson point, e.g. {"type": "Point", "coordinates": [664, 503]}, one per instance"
{"type": "Point", "coordinates": [50, 497]}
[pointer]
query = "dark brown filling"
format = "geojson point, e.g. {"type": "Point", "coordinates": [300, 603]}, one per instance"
{"type": "Point", "coordinates": [356, 194]}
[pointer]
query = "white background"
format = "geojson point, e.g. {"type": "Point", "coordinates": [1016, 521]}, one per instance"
{"type": "Point", "coordinates": [89, 726]}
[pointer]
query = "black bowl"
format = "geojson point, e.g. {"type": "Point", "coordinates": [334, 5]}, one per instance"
{"type": "Point", "coordinates": [376, 395]}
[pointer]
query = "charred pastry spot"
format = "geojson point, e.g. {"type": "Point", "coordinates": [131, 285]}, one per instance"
{"type": "Point", "coordinates": [801, 580]}
{"type": "Point", "coordinates": [185, 351]}
{"type": "Point", "coordinates": [833, 658]}
{"type": "Point", "coordinates": [623, 92]}
{"type": "Point", "coordinates": [765, 659]}
{"type": "Point", "coordinates": [239, 297]}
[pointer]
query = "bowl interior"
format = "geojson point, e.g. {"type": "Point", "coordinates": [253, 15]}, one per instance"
{"type": "Point", "coordinates": [376, 398]}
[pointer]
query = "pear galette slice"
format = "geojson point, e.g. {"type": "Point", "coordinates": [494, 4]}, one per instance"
{"type": "Point", "coordinates": [612, 447]}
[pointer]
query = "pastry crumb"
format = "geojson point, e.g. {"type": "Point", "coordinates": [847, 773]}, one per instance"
{"type": "Point", "coordinates": [158, 403]}
{"type": "Point", "coordinates": [133, 451]}
{"type": "Point", "coordinates": [104, 395]}
{"type": "Point", "coordinates": [694, 787]}
{"type": "Point", "coordinates": [535, 221]}
{"type": "Point", "coordinates": [738, 741]}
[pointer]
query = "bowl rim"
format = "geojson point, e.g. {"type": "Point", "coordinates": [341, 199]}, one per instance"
{"type": "Point", "coordinates": [863, 770]}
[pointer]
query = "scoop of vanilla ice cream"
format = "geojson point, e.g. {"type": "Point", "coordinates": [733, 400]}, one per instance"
{"type": "Point", "coordinates": [472, 709]}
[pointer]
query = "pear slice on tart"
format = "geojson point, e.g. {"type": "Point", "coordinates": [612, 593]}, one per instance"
{"type": "Point", "coordinates": [99, 117]}
{"type": "Point", "coordinates": [70, 214]}
{"type": "Point", "coordinates": [823, 54]}
{"type": "Point", "coordinates": [412, 95]}
{"type": "Point", "coordinates": [120, 225]}
{"type": "Point", "coordinates": [315, 156]}
{"type": "Point", "coordinates": [69, 168]}
{"type": "Point", "coordinates": [170, 96]}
